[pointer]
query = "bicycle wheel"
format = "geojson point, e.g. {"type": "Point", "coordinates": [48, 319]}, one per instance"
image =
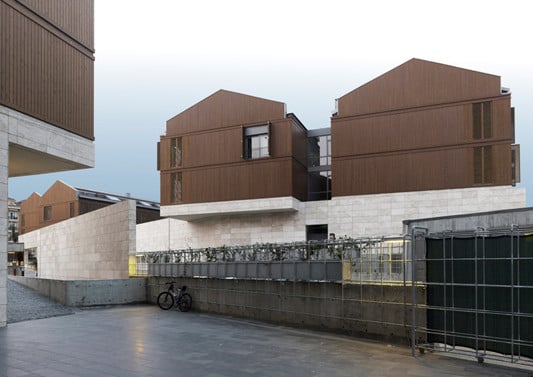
{"type": "Point", "coordinates": [165, 300]}
{"type": "Point", "coordinates": [185, 302]}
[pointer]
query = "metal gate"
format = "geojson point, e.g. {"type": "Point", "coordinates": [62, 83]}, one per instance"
{"type": "Point", "coordinates": [479, 293]}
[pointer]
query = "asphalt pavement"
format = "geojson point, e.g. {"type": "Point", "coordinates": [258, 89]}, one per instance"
{"type": "Point", "coordinates": [142, 340]}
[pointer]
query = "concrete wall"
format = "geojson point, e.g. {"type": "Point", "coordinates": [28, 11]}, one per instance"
{"type": "Point", "coordinates": [487, 220]}
{"type": "Point", "coordinates": [91, 246]}
{"type": "Point", "coordinates": [353, 216]}
{"type": "Point", "coordinates": [88, 292]}
{"type": "Point", "coordinates": [375, 311]}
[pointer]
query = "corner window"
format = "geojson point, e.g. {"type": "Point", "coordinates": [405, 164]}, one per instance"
{"type": "Point", "coordinates": [47, 215]}
{"type": "Point", "coordinates": [256, 141]}
{"type": "Point", "coordinates": [176, 187]}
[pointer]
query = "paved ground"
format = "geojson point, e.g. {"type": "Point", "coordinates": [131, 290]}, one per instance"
{"type": "Point", "coordinates": [145, 341]}
{"type": "Point", "coordinates": [25, 304]}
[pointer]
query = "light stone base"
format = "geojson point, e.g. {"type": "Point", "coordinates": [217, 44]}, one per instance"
{"type": "Point", "coordinates": [350, 216]}
{"type": "Point", "coordinates": [92, 246]}
{"type": "Point", "coordinates": [30, 146]}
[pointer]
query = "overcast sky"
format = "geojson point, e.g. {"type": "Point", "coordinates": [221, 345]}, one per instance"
{"type": "Point", "coordinates": [155, 59]}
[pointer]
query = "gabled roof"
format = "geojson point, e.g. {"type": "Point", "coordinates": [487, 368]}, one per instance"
{"type": "Point", "coordinates": [84, 193]}
{"type": "Point", "coordinates": [95, 195]}
{"type": "Point", "coordinates": [225, 109]}
{"type": "Point", "coordinates": [418, 83]}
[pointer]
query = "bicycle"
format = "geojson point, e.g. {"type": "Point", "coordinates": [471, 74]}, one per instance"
{"type": "Point", "coordinates": [168, 298]}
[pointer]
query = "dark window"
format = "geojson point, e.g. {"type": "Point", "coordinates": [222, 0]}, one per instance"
{"type": "Point", "coordinates": [256, 142]}
{"type": "Point", "coordinates": [47, 215]}
{"type": "Point", "coordinates": [515, 163]}
{"type": "Point", "coordinates": [176, 184]}
{"type": "Point", "coordinates": [71, 209]}
{"type": "Point", "coordinates": [482, 120]}
{"type": "Point", "coordinates": [317, 232]}
{"type": "Point", "coordinates": [319, 166]}
{"type": "Point", "coordinates": [175, 152]}
{"type": "Point", "coordinates": [483, 165]}
{"type": "Point", "coordinates": [319, 185]}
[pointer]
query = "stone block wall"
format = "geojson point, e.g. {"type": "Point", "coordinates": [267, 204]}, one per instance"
{"type": "Point", "coordinates": [91, 246]}
{"type": "Point", "coordinates": [352, 216]}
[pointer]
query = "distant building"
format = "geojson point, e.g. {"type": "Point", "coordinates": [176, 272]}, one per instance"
{"type": "Point", "coordinates": [13, 209]}
{"type": "Point", "coordinates": [46, 96]}
{"type": "Point", "coordinates": [61, 202]}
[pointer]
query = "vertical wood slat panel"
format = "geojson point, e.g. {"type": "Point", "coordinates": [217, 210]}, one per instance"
{"type": "Point", "coordinates": [43, 76]}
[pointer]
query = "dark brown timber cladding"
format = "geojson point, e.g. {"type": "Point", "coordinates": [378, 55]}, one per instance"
{"type": "Point", "coordinates": [213, 165]}
{"type": "Point", "coordinates": [418, 83]}
{"type": "Point", "coordinates": [224, 109]}
{"type": "Point", "coordinates": [214, 169]}
{"type": "Point", "coordinates": [414, 128]}
{"type": "Point", "coordinates": [46, 61]}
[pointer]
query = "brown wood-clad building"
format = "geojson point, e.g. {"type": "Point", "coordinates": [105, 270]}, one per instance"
{"type": "Point", "coordinates": [232, 146]}
{"type": "Point", "coordinates": [422, 126]}
{"type": "Point", "coordinates": [62, 201]}
{"type": "Point", "coordinates": [46, 61]}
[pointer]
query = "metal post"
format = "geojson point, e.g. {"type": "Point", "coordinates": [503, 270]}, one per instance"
{"type": "Point", "coordinates": [413, 286]}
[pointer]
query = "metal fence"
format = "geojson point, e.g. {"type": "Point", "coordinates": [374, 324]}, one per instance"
{"type": "Point", "coordinates": [479, 286]}
{"type": "Point", "coordinates": [382, 259]}
{"type": "Point", "coordinates": [470, 292]}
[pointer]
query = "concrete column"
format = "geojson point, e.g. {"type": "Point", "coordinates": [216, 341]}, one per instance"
{"type": "Point", "coordinates": [4, 161]}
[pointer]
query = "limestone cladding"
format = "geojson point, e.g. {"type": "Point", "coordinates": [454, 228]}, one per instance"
{"type": "Point", "coordinates": [3, 220]}
{"type": "Point", "coordinates": [351, 216]}
{"type": "Point", "coordinates": [95, 245]}
{"type": "Point", "coordinates": [40, 136]}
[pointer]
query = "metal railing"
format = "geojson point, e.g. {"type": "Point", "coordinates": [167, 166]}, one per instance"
{"type": "Point", "coordinates": [382, 259]}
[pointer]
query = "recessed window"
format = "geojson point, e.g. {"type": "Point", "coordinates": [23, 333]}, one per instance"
{"type": "Point", "coordinates": [71, 209]}
{"type": "Point", "coordinates": [176, 187]}
{"type": "Point", "coordinates": [47, 215]}
{"type": "Point", "coordinates": [316, 232]}
{"type": "Point", "coordinates": [483, 165]}
{"type": "Point", "coordinates": [176, 152]}
{"type": "Point", "coordinates": [256, 141]}
{"type": "Point", "coordinates": [482, 120]}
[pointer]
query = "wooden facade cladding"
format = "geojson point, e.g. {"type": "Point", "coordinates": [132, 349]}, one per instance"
{"type": "Point", "coordinates": [416, 171]}
{"type": "Point", "coordinates": [224, 109]}
{"type": "Point", "coordinates": [46, 61]}
{"type": "Point", "coordinates": [73, 17]}
{"type": "Point", "coordinates": [418, 127]}
{"type": "Point", "coordinates": [59, 197]}
{"type": "Point", "coordinates": [213, 163]}
{"type": "Point", "coordinates": [418, 83]}
{"type": "Point", "coordinates": [65, 202]}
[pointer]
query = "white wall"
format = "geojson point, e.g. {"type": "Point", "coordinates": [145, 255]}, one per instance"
{"type": "Point", "coordinates": [95, 245]}
{"type": "Point", "coordinates": [352, 216]}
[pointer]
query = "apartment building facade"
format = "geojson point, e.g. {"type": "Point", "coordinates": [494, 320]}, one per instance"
{"type": "Point", "coordinates": [424, 139]}
{"type": "Point", "coordinates": [62, 201]}
{"type": "Point", "coordinates": [46, 95]}
{"type": "Point", "coordinates": [13, 209]}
